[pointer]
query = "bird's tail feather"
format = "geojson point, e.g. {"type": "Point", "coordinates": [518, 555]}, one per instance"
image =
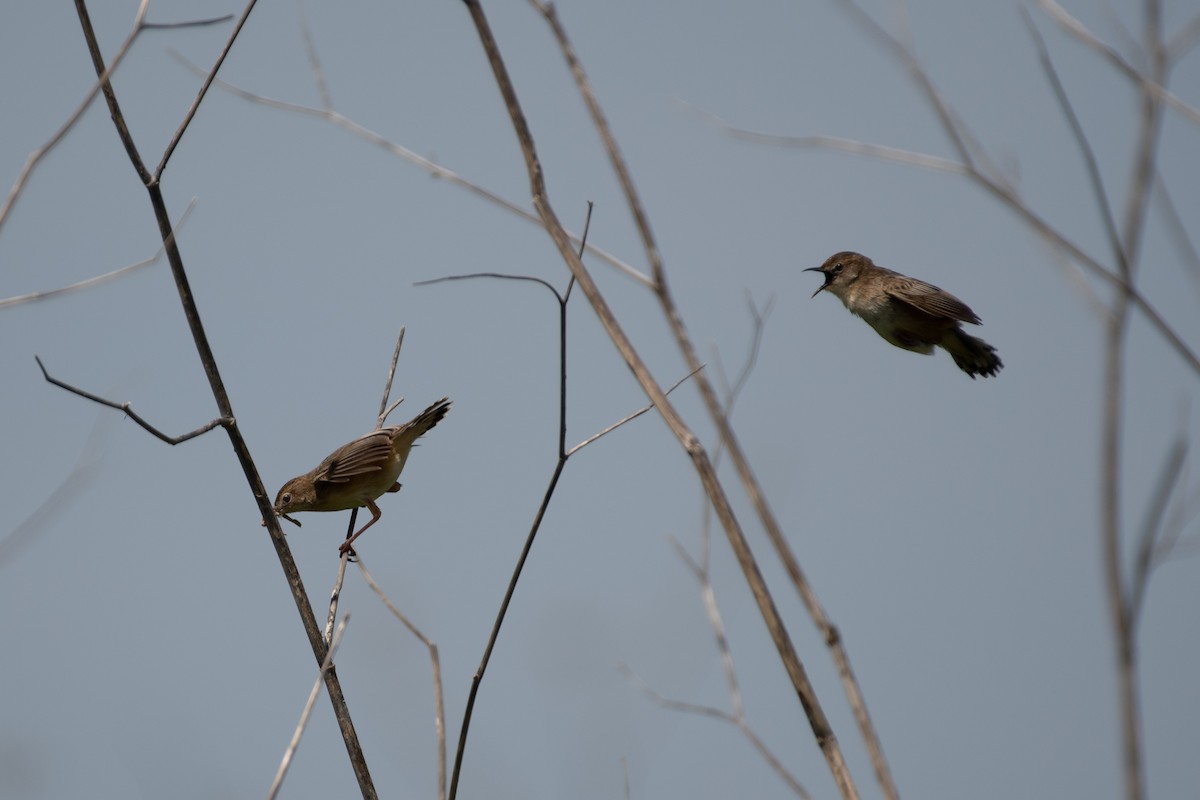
{"type": "Point", "coordinates": [973, 356]}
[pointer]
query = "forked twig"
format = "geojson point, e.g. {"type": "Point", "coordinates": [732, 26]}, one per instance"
{"type": "Point", "coordinates": [139, 25]}
{"type": "Point", "coordinates": [562, 298]}
{"type": "Point", "coordinates": [127, 407]}
{"type": "Point", "coordinates": [818, 722]}
{"type": "Point", "coordinates": [221, 396]}
{"type": "Point", "coordinates": [430, 166]}
{"type": "Point", "coordinates": [384, 408]}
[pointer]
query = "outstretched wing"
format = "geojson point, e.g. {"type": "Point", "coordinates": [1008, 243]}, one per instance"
{"type": "Point", "coordinates": [929, 298]}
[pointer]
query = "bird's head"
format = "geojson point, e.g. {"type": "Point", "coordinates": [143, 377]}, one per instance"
{"type": "Point", "coordinates": [298, 494]}
{"type": "Point", "coordinates": [841, 270]}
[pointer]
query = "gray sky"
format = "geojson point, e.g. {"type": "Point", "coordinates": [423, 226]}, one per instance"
{"type": "Point", "coordinates": [949, 526]}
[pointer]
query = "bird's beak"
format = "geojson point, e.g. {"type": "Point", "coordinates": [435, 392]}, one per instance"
{"type": "Point", "coordinates": [285, 516]}
{"type": "Point", "coordinates": [824, 285]}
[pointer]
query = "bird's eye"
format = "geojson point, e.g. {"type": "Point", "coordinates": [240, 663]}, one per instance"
{"type": "Point", "coordinates": [286, 499]}
{"type": "Point", "coordinates": [837, 269]}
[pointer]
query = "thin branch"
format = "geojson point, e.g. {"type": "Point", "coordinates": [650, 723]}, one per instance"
{"type": "Point", "coordinates": [1146, 84]}
{"type": "Point", "coordinates": [428, 165]}
{"type": "Point", "coordinates": [724, 716]}
{"type": "Point", "coordinates": [1152, 528]}
{"type": "Point", "coordinates": [734, 390]}
{"type": "Point", "coordinates": [314, 60]}
{"type": "Point", "coordinates": [822, 731]}
{"type": "Point", "coordinates": [335, 594]}
{"type": "Point", "coordinates": [191, 23]}
{"type": "Point", "coordinates": [687, 439]}
{"type": "Point", "coordinates": [630, 417]}
{"type": "Point", "coordinates": [439, 702]}
{"type": "Point", "coordinates": [290, 752]}
{"type": "Point", "coordinates": [221, 396]}
{"type": "Point", "coordinates": [83, 472]}
{"type": "Point", "coordinates": [127, 407]}
{"type": "Point", "coordinates": [384, 409]}
{"type": "Point", "coordinates": [212, 74]}
{"type": "Point", "coordinates": [1183, 39]}
{"type": "Point", "coordinates": [852, 146]}
{"type": "Point", "coordinates": [1177, 230]}
{"type": "Point", "coordinates": [498, 275]}
{"type": "Point", "coordinates": [560, 465]}
{"type": "Point", "coordinates": [47, 294]}
{"type": "Point", "coordinates": [139, 25]}
{"type": "Point", "coordinates": [712, 610]}
{"type": "Point", "coordinates": [1092, 166]}
{"type": "Point", "coordinates": [37, 155]}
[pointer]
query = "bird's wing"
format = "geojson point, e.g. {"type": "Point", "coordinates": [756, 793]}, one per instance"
{"type": "Point", "coordinates": [366, 454]}
{"type": "Point", "coordinates": [929, 298]}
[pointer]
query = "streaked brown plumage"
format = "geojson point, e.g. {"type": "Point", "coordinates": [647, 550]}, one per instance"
{"type": "Point", "coordinates": [356, 474]}
{"type": "Point", "coordinates": [909, 313]}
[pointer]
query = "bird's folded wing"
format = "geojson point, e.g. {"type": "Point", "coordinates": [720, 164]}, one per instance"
{"type": "Point", "coordinates": [364, 455]}
{"type": "Point", "coordinates": [930, 299]}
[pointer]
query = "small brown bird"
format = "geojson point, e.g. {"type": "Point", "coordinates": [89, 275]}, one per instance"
{"type": "Point", "coordinates": [358, 473]}
{"type": "Point", "coordinates": [909, 313]}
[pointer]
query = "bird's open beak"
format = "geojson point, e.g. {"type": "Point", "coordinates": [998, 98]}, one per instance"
{"type": "Point", "coordinates": [824, 274]}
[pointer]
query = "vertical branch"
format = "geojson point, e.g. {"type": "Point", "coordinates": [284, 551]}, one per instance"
{"type": "Point", "coordinates": [687, 439]}
{"type": "Point", "coordinates": [720, 419]}
{"type": "Point", "coordinates": [240, 448]}
{"type": "Point", "coordinates": [1120, 599]}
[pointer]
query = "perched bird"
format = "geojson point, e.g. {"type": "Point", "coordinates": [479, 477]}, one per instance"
{"type": "Point", "coordinates": [358, 473]}
{"type": "Point", "coordinates": [909, 313]}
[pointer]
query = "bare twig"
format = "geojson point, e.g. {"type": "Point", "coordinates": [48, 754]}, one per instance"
{"type": "Point", "coordinates": [1183, 40]}
{"type": "Point", "coordinates": [605, 431]}
{"type": "Point", "coordinates": [724, 716]}
{"type": "Point", "coordinates": [384, 408]}
{"type": "Point", "coordinates": [699, 568]}
{"type": "Point", "coordinates": [439, 702]}
{"type": "Point", "coordinates": [1148, 84]}
{"type": "Point", "coordinates": [85, 469]}
{"type": "Point", "coordinates": [139, 25]}
{"type": "Point", "coordinates": [564, 454]}
{"type": "Point", "coordinates": [314, 60]}
{"type": "Point", "coordinates": [687, 439]}
{"type": "Point", "coordinates": [429, 165]}
{"type": "Point", "coordinates": [133, 415]}
{"type": "Point", "coordinates": [221, 396]}
{"type": "Point", "coordinates": [1092, 166]}
{"type": "Point", "coordinates": [335, 594]}
{"type": "Point", "coordinates": [290, 752]}
{"type": "Point", "coordinates": [734, 390]}
{"type": "Point", "coordinates": [822, 731]}
{"type": "Point", "coordinates": [1152, 529]}
{"type": "Point", "coordinates": [212, 74]}
{"type": "Point", "coordinates": [99, 279]}
{"type": "Point", "coordinates": [191, 23]}
{"type": "Point", "coordinates": [1177, 229]}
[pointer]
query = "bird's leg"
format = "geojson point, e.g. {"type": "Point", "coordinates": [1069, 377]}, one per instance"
{"type": "Point", "coordinates": [375, 515]}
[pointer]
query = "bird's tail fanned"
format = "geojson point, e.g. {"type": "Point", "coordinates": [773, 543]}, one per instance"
{"type": "Point", "coordinates": [973, 356]}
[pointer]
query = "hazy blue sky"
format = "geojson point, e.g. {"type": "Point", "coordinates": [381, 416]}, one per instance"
{"type": "Point", "coordinates": [950, 526]}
